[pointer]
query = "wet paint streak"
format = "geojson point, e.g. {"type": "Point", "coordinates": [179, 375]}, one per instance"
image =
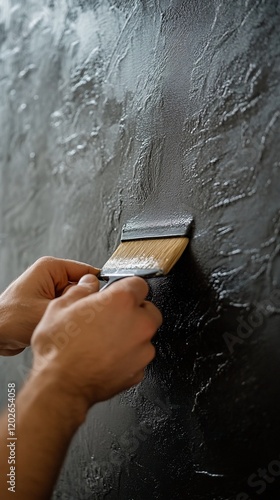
{"type": "Point", "coordinates": [151, 111]}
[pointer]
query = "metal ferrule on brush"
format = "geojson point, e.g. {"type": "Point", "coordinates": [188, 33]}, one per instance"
{"type": "Point", "coordinates": [147, 252]}
{"type": "Point", "coordinates": [113, 274]}
{"type": "Point", "coordinates": [171, 229]}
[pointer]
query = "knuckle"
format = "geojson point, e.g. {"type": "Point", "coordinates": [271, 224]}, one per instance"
{"type": "Point", "coordinates": [140, 286]}
{"type": "Point", "coordinates": [150, 326]}
{"type": "Point", "coordinates": [43, 261]}
{"type": "Point", "coordinates": [140, 283]}
{"type": "Point", "coordinates": [155, 314]}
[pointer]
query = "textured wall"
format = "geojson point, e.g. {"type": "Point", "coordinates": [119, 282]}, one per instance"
{"type": "Point", "coordinates": [111, 109]}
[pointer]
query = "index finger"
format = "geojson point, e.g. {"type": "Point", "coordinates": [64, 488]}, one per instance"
{"type": "Point", "coordinates": [63, 271]}
{"type": "Point", "coordinates": [75, 269]}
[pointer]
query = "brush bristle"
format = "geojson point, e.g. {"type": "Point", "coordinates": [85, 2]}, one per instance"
{"type": "Point", "coordinates": [156, 253]}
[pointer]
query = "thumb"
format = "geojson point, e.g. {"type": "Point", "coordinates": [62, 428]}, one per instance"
{"type": "Point", "coordinates": [89, 280]}
{"type": "Point", "coordinates": [87, 284]}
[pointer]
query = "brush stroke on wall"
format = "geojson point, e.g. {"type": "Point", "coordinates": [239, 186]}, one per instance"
{"type": "Point", "coordinates": [157, 109]}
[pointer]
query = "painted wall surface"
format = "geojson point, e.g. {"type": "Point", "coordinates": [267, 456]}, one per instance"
{"type": "Point", "coordinates": [112, 109]}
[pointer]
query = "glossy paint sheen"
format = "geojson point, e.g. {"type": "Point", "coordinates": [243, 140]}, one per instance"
{"type": "Point", "coordinates": [112, 110]}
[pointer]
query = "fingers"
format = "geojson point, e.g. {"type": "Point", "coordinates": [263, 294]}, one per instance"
{"type": "Point", "coordinates": [139, 366]}
{"type": "Point", "coordinates": [134, 379]}
{"type": "Point", "coordinates": [133, 291]}
{"type": "Point", "coordinates": [62, 271]}
{"type": "Point", "coordinates": [75, 270]}
{"type": "Point", "coordinates": [89, 279]}
{"type": "Point", "coordinates": [87, 285]}
{"type": "Point", "coordinates": [128, 294]}
{"type": "Point", "coordinates": [129, 291]}
{"type": "Point", "coordinates": [110, 331]}
{"type": "Point", "coordinates": [153, 312]}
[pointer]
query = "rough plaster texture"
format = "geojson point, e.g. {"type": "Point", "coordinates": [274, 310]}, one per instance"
{"type": "Point", "coordinates": [112, 109]}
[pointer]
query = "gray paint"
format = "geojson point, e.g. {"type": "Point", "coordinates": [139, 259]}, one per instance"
{"type": "Point", "coordinates": [111, 110]}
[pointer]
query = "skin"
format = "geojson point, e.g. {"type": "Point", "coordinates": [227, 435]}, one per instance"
{"type": "Point", "coordinates": [87, 347]}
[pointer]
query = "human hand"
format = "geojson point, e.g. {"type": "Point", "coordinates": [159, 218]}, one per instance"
{"type": "Point", "coordinates": [24, 302]}
{"type": "Point", "coordinates": [94, 345]}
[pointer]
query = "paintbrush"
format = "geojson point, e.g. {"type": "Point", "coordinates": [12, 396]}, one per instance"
{"type": "Point", "coordinates": [147, 252]}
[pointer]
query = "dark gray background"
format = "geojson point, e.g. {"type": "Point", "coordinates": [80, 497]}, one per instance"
{"type": "Point", "coordinates": [156, 109]}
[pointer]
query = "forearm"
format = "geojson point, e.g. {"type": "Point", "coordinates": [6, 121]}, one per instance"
{"type": "Point", "coordinates": [46, 421]}
{"type": "Point", "coordinates": [98, 359]}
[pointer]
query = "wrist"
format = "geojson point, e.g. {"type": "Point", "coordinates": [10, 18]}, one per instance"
{"type": "Point", "coordinates": [11, 341]}
{"type": "Point", "coordinates": [5, 323]}
{"type": "Point", "coordinates": [46, 390]}
{"type": "Point", "coordinates": [46, 421]}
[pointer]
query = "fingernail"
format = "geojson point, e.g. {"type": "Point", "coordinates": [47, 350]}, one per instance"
{"type": "Point", "coordinates": [88, 279]}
